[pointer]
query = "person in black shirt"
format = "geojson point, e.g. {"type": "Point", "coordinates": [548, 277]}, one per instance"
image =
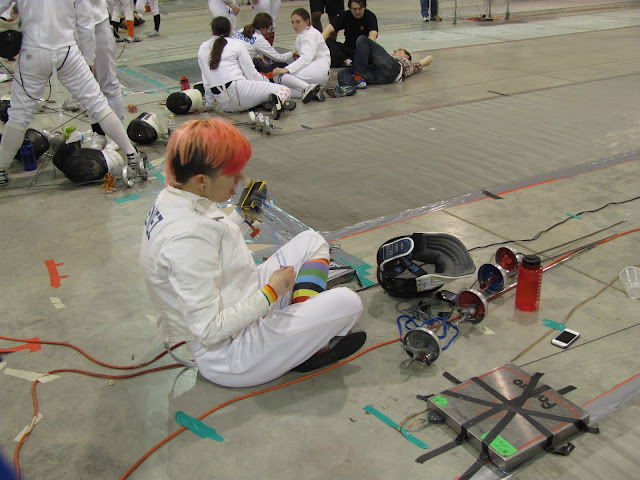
{"type": "Point", "coordinates": [355, 22]}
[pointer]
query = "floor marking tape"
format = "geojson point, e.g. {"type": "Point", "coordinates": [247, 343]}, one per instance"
{"type": "Point", "coordinates": [57, 302]}
{"type": "Point", "coordinates": [28, 427]}
{"type": "Point", "coordinates": [31, 376]}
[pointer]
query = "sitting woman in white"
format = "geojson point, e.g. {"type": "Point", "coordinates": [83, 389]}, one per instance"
{"type": "Point", "coordinates": [229, 77]}
{"type": "Point", "coordinates": [264, 56]}
{"type": "Point", "coordinates": [308, 74]}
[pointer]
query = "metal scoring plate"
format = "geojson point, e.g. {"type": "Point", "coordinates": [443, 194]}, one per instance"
{"type": "Point", "coordinates": [519, 440]}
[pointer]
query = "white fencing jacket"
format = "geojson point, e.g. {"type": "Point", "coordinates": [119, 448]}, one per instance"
{"type": "Point", "coordinates": [199, 272]}
{"type": "Point", "coordinates": [53, 24]}
{"type": "Point", "coordinates": [312, 48]}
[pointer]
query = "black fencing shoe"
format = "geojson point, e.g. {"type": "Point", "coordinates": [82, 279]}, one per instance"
{"type": "Point", "coordinates": [310, 92]}
{"type": "Point", "coordinates": [286, 106]}
{"type": "Point", "coordinates": [345, 347]}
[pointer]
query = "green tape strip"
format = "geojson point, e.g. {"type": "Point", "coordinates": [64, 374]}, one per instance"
{"type": "Point", "coordinates": [573, 216]}
{"type": "Point", "coordinates": [143, 77]}
{"type": "Point", "coordinates": [196, 426]}
{"type": "Point", "coordinates": [361, 270]}
{"type": "Point", "coordinates": [440, 400]}
{"type": "Point", "coordinates": [501, 446]}
{"type": "Point", "coordinates": [551, 324]}
{"type": "Point", "coordinates": [391, 423]}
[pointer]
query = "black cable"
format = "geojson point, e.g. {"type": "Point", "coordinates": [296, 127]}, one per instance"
{"type": "Point", "coordinates": [554, 226]}
{"type": "Point", "coordinates": [580, 345]}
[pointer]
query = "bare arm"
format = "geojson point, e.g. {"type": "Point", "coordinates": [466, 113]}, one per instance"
{"type": "Point", "coordinates": [328, 31]}
{"type": "Point", "coordinates": [426, 61]}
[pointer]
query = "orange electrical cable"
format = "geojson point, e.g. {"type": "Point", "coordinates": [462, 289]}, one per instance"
{"type": "Point", "coordinates": [242, 397]}
{"type": "Point", "coordinates": [16, 462]}
{"type": "Point", "coordinates": [77, 349]}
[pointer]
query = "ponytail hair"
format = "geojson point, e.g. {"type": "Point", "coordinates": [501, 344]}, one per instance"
{"type": "Point", "coordinates": [260, 21]}
{"type": "Point", "coordinates": [220, 26]}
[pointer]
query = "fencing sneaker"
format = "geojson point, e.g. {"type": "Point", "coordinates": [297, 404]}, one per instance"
{"type": "Point", "coordinates": [361, 84]}
{"type": "Point", "coordinates": [4, 179]}
{"type": "Point", "coordinates": [310, 92]}
{"type": "Point", "coordinates": [153, 33]}
{"type": "Point", "coordinates": [133, 39]}
{"type": "Point", "coordinates": [341, 91]}
{"type": "Point", "coordinates": [345, 347]}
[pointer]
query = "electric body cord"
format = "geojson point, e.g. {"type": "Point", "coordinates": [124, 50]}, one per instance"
{"type": "Point", "coordinates": [236, 399]}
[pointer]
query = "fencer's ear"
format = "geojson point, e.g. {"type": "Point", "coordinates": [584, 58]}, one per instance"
{"type": "Point", "coordinates": [199, 181]}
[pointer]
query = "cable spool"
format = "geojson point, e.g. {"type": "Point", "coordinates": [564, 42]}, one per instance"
{"type": "Point", "coordinates": [492, 278]}
{"type": "Point", "coordinates": [471, 305]}
{"type": "Point", "coordinates": [129, 174]}
{"type": "Point", "coordinates": [507, 258]}
{"type": "Point", "coordinates": [267, 126]}
{"type": "Point", "coordinates": [422, 345]}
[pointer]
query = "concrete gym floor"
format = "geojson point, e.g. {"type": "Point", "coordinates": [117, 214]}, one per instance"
{"type": "Point", "coordinates": [516, 126]}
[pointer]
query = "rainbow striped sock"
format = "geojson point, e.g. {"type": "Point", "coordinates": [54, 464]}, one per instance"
{"type": "Point", "coordinates": [311, 280]}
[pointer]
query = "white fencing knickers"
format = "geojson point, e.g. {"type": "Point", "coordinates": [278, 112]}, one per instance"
{"type": "Point", "coordinates": [35, 66]}
{"type": "Point", "coordinates": [272, 7]}
{"type": "Point", "coordinates": [289, 334]}
{"type": "Point", "coordinates": [105, 68]}
{"type": "Point", "coordinates": [217, 8]}
{"type": "Point", "coordinates": [122, 7]}
{"type": "Point", "coordinates": [315, 72]}
{"type": "Point", "coordinates": [243, 95]}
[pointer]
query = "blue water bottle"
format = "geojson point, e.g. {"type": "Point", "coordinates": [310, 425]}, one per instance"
{"type": "Point", "coordinates": [28, 156]}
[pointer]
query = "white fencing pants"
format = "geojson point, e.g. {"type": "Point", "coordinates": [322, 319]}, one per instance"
{"type": "Point", "coordinates": [33, 69]}
{"type": "Point", "coordinates": [272, 7]}
{"type": "Point", "coordinates": [105, 68]}
{"type": "Point", "coordinates": [243, 95]}
{"type": "Point", "coordinates": [289, 334]}
{"type": "Point", "coordinates": [218, 8]}
{"type": "Point", "coordinates": [315, 72]}
{"type": "Point", "coordinates": [122, 7]}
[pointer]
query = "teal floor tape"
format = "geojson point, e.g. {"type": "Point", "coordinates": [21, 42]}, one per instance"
{"type": "Point", "coordinates": [391, 423]}
{"type": "Point", "coordinates": [196, 426]}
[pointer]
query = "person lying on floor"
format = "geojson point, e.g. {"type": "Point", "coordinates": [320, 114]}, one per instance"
{"type": "Point", "coordinates": [372, 65]}
{"type": "Point", "coordinates": [244, 324]}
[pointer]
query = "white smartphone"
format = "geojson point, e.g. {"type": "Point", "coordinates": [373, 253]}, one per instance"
{"type": "Point", "coordinates": [565, 338]}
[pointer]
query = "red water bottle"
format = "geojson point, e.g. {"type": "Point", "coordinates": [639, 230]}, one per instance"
{"type": "Point", "coordinates": [529, 283]}
{"type": "Point", "coordinates": [184, 83]}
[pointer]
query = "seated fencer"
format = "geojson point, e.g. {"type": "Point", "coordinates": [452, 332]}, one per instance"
{"type": "Point", "coordinates": [229, 77]}
{"type": "Point", "coordinates": [244, 324]}
{"type": "Point", "coordinates": [254, 38]}
{"type": "Point", "coordinates": [372, 65]}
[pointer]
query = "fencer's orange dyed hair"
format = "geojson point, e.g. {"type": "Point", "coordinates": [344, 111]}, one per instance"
{"type": "Point", "coordinates": [211, 147]}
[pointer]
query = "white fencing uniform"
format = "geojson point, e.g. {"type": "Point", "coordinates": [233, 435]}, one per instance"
{"type": "Point", "coordinates": [105, 61]}
{"type": "Point", "coordinates": [272, 7]}
{"type": "Point", "coordinates": [258, 46]}
{"type": "Point", "coordinates": [205, 289]}
{"type": "Point", "coordinates": [222, 8]}
{"type": "Point", "coordinates": [49, 50]}
{"type": "Point", "coordinates": [122, 7]}
{"type": "Point", "coordinates": [311, 67]}
{"type": "Point", "coordinates": [241, 86]}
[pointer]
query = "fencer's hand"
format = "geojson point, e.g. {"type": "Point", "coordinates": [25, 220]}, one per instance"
{"type": "Point", "coordinates": [282, 280]}
{"type": "Point", "coordinates": [235, 9]}
{"type": "Point", "coordinates": [280, 71]}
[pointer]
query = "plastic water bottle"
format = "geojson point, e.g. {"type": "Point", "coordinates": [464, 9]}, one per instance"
{"type": "Point", "coordinates": [184, 83]}
{"type": "Point", "coordinates": [28, 156]}
{"type": "Point", "coordinates": [529, 284]}
{"type": "Point", "coordinates": [171, 125]}
{"type": "Point", "coordinates": [77, 136]}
